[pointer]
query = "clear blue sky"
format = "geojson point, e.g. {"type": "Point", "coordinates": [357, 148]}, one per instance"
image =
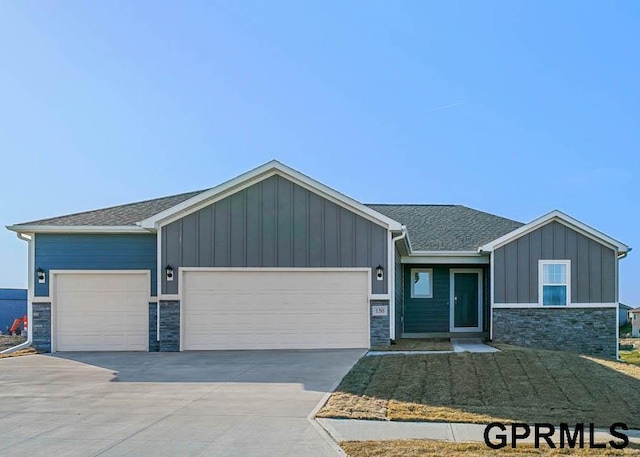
{"type": "Point", "coordinates": [516, 108]}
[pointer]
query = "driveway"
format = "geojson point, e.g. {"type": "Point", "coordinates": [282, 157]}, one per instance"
{"type": "Point", "coordinates": [252, 403]}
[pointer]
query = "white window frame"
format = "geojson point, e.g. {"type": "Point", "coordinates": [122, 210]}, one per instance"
{"type": "Point", "coordinates": [422, 270]}
{"type": "Point", "coordinates": [541, 283]}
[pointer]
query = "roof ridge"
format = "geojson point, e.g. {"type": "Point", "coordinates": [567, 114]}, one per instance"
{"type": "Point", "coordinates": [411, 204]}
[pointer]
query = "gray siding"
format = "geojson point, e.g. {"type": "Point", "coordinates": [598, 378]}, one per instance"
{"type": "Point", "coordinates": [432, 315]}
{"type": "Point", "coordinates": [593, 266]}
{"type": "Point", "coordinates": [274, 223]}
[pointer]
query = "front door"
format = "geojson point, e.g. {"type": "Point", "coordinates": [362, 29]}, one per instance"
{"type": "Point", "coordinates": [466, 300]}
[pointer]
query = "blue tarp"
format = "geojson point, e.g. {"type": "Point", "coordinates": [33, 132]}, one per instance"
{"type": "Point", "coordinates": [13, 304]}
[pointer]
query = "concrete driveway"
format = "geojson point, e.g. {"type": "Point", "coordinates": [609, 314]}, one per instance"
{"type": "Point", "coordinates": [250, 403]}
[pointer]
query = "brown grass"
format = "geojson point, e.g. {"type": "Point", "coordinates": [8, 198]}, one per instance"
{"type": "Point", "coordinates": [631, 356]}
{"type": "Point", "coordinates": [410, 344]}
{"type": "Point", "coordinates": [425, 448]}
{"type": "Point", "coordinates": [20, 353]}
{"type": "Point", "coordinates": [9, 341]}
{"type": "Point", "coordinates": [515, 385]}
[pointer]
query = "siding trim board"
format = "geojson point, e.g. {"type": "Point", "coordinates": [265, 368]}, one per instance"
{"type": "Point", "coordinates": [538, 305]}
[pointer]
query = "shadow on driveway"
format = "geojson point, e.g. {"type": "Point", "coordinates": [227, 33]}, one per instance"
{"type": "Point", "coordinates": [315, 369]}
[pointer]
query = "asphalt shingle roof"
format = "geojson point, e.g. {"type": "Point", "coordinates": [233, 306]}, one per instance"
{"type": "Point", "coordinates": [430, 227]}
{"type": "Point", "coordinates": [127, 214]}
{"type": "Point", "coordinates": [447, 227]}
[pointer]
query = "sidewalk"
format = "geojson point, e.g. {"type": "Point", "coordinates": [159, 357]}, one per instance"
{"type": "Point", "coordinates": [457, 344]}
{"type": "Point", "coordinates": [365, 430]}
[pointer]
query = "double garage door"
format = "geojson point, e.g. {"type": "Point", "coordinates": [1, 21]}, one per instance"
{"type": "Point", "coordinates": [235, 309]}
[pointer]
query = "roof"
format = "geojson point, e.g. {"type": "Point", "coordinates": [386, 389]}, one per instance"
{"type": "Point", "coordinates": [565, 219]}
{"type": "Point", "coordinates": [624, 306]}
{"type": "Point", "coordinates": [447, 227]}
{"type": "Point", "coordinates": [120, 215]}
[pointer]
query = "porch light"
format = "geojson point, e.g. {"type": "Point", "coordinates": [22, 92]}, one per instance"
{"type": "Point", "coordinates": [41, 275]}
{"type": "Point", "coordinates": [379, 273]}
{"type": "Point", "coordinates": [169, 271]}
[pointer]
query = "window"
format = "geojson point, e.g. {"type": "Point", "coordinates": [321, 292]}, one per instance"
{"type": "Point", "coordinates": [555, 282]}
{"type": "Point", "coordinates": [421, 283]}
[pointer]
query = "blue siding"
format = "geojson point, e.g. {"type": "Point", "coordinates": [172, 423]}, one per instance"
{"type": "Point", "coordinates": [94, 252]}
{"type": "Point", "coordinates": [13, 304]}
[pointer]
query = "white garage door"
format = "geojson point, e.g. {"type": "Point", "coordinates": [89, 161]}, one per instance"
{"type": "Point", "coordinates": [101, 312]}
{"type": "Point", "coordinates": [275, 309]}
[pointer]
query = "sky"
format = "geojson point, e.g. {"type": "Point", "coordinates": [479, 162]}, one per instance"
{"type": "Point", "coordinates": [511, 107]}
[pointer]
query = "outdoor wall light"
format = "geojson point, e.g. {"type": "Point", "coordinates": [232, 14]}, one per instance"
{"type": "Point", "coordinates": [41, 275]}
{"type": "Point", "coordinates": [380, 273]}
{"type": "Point", "coordinates": [169, 271]}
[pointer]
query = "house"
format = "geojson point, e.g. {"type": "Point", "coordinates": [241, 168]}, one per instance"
{"type": "Point", "coordinates": [624, 314]}
{"type": "Point", "coordinates": [13, 305]}
{"type": "Point", "coordinates": [635, 322]}
{"type": "Point", "coordinates": [274, 259]}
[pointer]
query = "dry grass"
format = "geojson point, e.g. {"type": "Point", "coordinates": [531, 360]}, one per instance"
{"type": "Point", "coordinates": [515, 385]}
{"type": "Point", "coordinates": [20, 353]}
{"type": "Point", "coordinates": [425, 448]}
{"type": "Point", "coordinates": [410, 344]}
{"type": "Point", "coordinates": [9, 341]}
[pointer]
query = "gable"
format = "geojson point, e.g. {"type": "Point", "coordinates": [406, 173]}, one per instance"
{"type": "Point", "coordinates": [593, 265]}
{"type": "Point", "coordinates": [274, 223]}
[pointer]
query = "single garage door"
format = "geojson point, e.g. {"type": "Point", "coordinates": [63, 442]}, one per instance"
{"type": "Point", "coordinates": [101, 311]}
{"type": "Point", "coordinates": [275, 309]}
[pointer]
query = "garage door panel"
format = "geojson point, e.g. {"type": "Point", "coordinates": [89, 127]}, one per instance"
{"type": "Point", "coordinates": [101, 312]}
{"type": "Point", "coordinates": [275, 310]}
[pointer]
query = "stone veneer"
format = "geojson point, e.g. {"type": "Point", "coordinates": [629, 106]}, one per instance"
{"type": "Point", "coordinates": [169, 326]}
{"type": "Point", "coordinates": [154, 344]}
{"type": "Point", "coordinates": [380, 325]}
{"type": "Point", "coordinates": [589, 331]}
{"type": "Point", "coordinates": [41, 326]}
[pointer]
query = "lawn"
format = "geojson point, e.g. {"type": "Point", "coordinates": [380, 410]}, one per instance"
{"type": "Point", "coordinates": [409, 344]}
{"type": "Point", "coordinates": [514, 385]}
{"type": "Point", "coordinates": [425, 448]}
{"type": "Point", "coordinates": [631, 356]}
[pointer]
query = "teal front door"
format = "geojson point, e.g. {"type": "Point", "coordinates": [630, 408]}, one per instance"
{"type": "Point", "coordinates": [466, 300]}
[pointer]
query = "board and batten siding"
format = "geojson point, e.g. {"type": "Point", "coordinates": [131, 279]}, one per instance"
{"type": "Point", "coordinates": [94, 252]}
{"type": "Point", "coordinates": [274, 223]}
{"type": "Point", "coordinates": [593, 265]}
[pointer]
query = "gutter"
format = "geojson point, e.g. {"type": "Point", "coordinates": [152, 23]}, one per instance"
{"type": "Point", "coordinates": [622, 255]}
{"type": "Point", "coordinates": [29, 341]}
{"type": "Point", "coordinates": [392, 293]}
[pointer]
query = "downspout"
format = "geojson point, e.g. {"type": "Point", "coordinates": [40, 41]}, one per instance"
{"type": "Point", "coordinates": [27, 343]}
{"type": "Point", "coordinates": [392, 293]}
{"type": "Point", "coordinates": [624, 254]}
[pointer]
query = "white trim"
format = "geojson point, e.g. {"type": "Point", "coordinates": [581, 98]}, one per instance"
{"type": "Point", "coordinates": [380, 297]}
{"type": "Point", "coordinates": [564, 219]}
{"type": "Point", "coordinates": [541, 284]}
{"type": "Point", "coordinates": [420, 259]}
{"type": "Point", "coordinates": [452, 327]}
{"type": "Point", "coordinates": [391, 280]}
{"type": "Point", "coordinates": [538, 305]}
{"type": "Point", "coordinates": [446, 253]}
{"type": "Point", "coordinates": [158, 321]}
{"type": "Point", "coordinates": [153, 300]}
{"type": "Point", "coordinates": [169, 297]}
{"type": "Point", "coordinates": [159, 269]}
{"type": "Point", "coordinates": [421, 270]}
{"type": "Point", "coordinates": [256, 175]}
{"type": "Point", "coordinates": [79, 229]}
{"type": "Point", "coordinates": [31, 247]}
{"type": "Point", "coordinates": [52, 291]}
{"type": "Point", "coordinates": [41, 300]}
{"type": "Point", "coordinates": [617, 330]}
{"type": "Point", "coordinates": [492, 293]}
{"type": "Point", "coordinates": [182, 270]}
